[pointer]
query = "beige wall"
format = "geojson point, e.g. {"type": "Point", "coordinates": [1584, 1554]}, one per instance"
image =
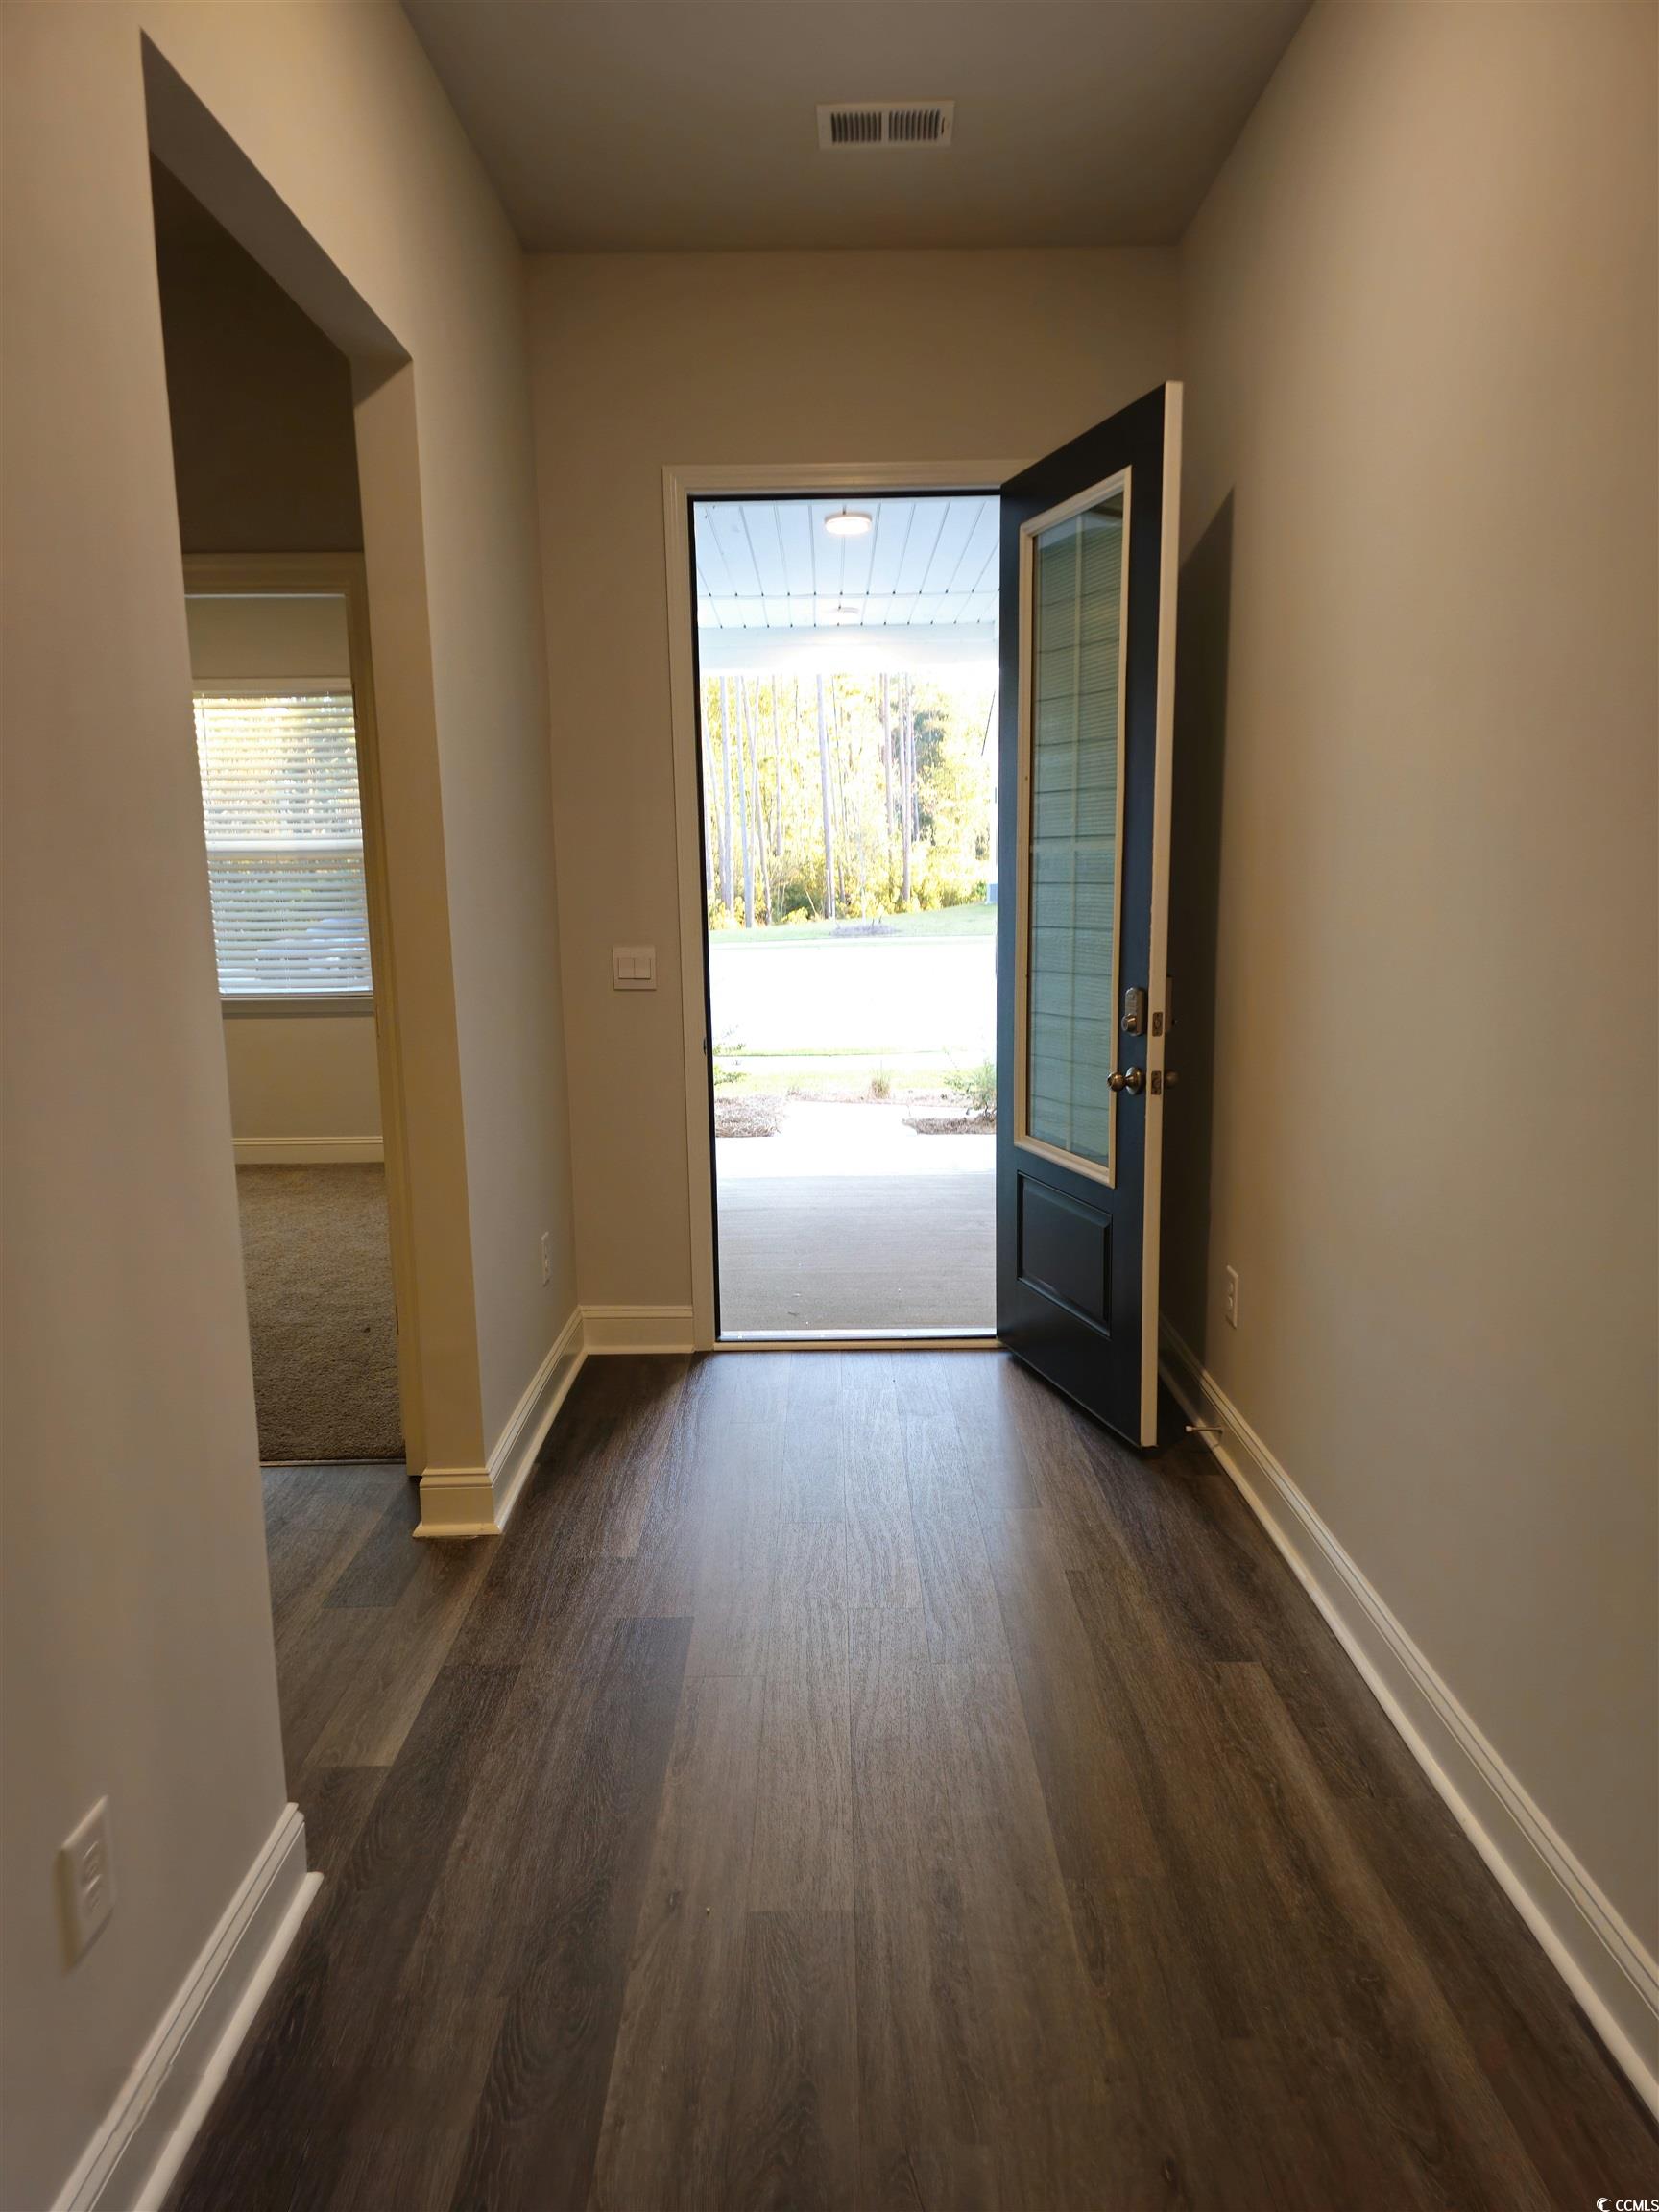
{"type": "Point", "coordinates": [1418, 753]}
{"type": "Point", "coordinates": [137, 1656]}
{"type": "Point", "coordinates": [302, 1080]}
{"type": "Point", "coordinates": [264, 458]}
{"type": "Point", "coordinates": [642, 360]}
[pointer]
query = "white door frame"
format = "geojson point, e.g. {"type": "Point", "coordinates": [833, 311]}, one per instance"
{"type": "Point", "coordinates": [680, 485]}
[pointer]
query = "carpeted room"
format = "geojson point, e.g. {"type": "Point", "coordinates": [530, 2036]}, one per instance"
{"type": "Point", "coordinates": [322, 1319]}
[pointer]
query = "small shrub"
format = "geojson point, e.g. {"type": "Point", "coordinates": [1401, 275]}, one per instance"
{"type": "Point", "coordinates": [882, 1084]}
{"type": "Point", "coordinates": [728, 1047]}
{"type": "Point", "coordinates": [976, 1087]}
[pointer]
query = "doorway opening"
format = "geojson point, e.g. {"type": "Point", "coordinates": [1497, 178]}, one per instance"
{"type": "Point", "coordinates": [847, 696]}
{"type": "Point", "coordinates": [282, 714]}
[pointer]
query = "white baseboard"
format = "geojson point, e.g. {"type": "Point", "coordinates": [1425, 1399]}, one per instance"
{"type": "Point", "coordinates": [307, 1151]}
{"type": "Point", "coordinates": [1597, 1954]}
{"type": "Point", "coordinates": [467, 1501]}
{"type": "Point", "coordinates": [135, 2155]}
{"type": "Point", "coordinates": [638, 1327]}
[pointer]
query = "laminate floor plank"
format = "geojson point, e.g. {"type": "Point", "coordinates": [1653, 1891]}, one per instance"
{"type": "Point", "coordinates": [881, 1564]}
{"type": "Point", "coordinates": [1575, 2114]}
{"type": "Point", "coordinates": [922, 2139]}
{"type": "Point", "coordinates": [1381, 1997]}
{"type": "Point", "coordinates": [315, 1519]}
{"type": "Point", "coordinates": [856, 1780]}
{"type": "Point", "coordinates": [663, 2139]}
{"type": "Point", "coordinates": [535, 2132]}
{"type": "Point", "coordinates": [803, 1841]}
{"type": "Point", "coordinates": [1089, 1782]}
{"type": "Point", "coordinates": [791, 2136]}
{"type": "Point", "coordinates": [397, 1665]}
{"type": "Point", "coordinates": [738, 1547]}
{"type": "Point", "coordinates": [307, 2071]}
{"type": "Point", "coordinates": [633, 1401]}
{"type": "Point", "coordinates": [1059, 2111]}
{"type": "Point", "coordinates": [958, 1595]}
{"type": "Point", "coordinates": [980, 1401]}
{"type": "Point", "coordinates": [386, 1561]}
{"type": "Point", "coordinates": [336, 1803]}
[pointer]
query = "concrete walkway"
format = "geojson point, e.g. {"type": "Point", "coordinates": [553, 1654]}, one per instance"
{"type": "Point", "coordinates": [847, 1220]}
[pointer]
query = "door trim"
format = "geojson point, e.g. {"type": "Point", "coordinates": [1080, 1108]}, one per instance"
{"type": "Point", "coordinates": [1158, 965]}
{"type": "Point", "coordinates": [682, 483]}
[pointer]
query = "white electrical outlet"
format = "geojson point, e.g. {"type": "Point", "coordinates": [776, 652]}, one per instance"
{"type": "Point", "coordinates": [86, 1879]}
{"type": "Point", "coordinates": [546, 1255]}
{"type": "Point", "coordinates": [1230, 1299]}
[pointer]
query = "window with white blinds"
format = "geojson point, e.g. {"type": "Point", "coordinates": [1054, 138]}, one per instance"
{"type": "Point", "coordinates": [279, 765]}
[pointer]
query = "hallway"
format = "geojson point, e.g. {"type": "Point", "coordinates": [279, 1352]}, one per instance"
{"type": "Point", "coordinates": [855, 1779]}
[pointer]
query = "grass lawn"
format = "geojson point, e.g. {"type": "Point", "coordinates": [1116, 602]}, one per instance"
{"type": "Point", "coordinates": [845, 1074]}
{"type": "Point", "coordinates": [940, 922]}
{"type": "Point", "coordinates": [824, 1008]}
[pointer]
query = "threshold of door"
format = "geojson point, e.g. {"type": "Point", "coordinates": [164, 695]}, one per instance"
{"type": "Point", "coordinates": [857, 1340]}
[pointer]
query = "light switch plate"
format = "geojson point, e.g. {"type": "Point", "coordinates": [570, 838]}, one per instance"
{"type": "Point", "coordinates": [86, 1879]}
{"type": "Point", "coordinates": [633, 966]}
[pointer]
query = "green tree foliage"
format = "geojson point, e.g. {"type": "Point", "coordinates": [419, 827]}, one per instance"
{"type": "Point", "coordinates": [856, 796]}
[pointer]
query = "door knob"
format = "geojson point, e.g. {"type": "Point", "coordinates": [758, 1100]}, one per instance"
{"type": "Point", "coordinates": [1129, 1079]}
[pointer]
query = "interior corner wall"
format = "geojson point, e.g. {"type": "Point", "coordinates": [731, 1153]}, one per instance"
{"type": "Point", "coordinates": [647, 360]}
{"type": "Point", "coordinates": [1414, 895]}
{"type": "Point", "coordinates": [138, 1651]}
{"type": "Point", "coordinates": [264, 459]}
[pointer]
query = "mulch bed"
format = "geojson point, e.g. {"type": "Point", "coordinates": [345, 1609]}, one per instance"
{"type": "Point", "coordinates": [757, 1117]}
{"type": "Point", "coordinates": [945, 1117]}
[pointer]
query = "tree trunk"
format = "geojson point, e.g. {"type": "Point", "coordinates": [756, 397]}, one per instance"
{"type": "Point", "coordinates": [778, 737]}
{"type": "Point", "coordinates": [847, 773]}
{"type": "Point", "coordinates": [828, 824]}
{"type": "Point", "coordinates": [710, 797]}
{"type": "Point", "coordinates": [751, 807]}
{"type": "Point", "coordinates": [794, 740]}
{"type": "Point", "coordinates": [727, 879]}
{"type": "Point", "coordinates": [887, 782]}
{"type": "Point", "coordinates": [906, 775]}
{"type": "Point", "coordinates": [743, 806]}
{"type": "Point", "coordinates": [838, 788]}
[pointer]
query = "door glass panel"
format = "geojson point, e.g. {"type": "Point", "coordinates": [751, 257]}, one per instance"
{"type": "Point", "coordinates": [1073, 824]}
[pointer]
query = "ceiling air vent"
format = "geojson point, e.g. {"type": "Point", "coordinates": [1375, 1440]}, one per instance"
{"type": "Point", "coordinates": [855, 125]}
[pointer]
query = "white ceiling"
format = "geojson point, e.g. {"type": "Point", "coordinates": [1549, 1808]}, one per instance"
{"type": "Point", "coordinates": [629, 125]}
{"type": "Point", "coordinates": [776, 590]}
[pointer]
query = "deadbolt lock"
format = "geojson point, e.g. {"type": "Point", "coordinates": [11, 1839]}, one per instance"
{"type": "Point", "coordinates": [1129, 1079]}
{"type": "Point", "coordinates": [1134, 1011]}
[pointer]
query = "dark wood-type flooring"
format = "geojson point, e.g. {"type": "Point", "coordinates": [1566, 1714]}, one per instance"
{"type": "Point", "coordinates": [856, 1780]}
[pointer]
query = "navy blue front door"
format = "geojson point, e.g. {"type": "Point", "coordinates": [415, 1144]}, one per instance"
{"type": "Point", "coordinates": [1088, 545]}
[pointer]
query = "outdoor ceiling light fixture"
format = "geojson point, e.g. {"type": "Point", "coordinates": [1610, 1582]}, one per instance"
{"type": "Point", "coordinates": [849, 522]}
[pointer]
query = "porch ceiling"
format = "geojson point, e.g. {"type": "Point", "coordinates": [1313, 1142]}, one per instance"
{"type": "Point", "coordinates": [776, 590]}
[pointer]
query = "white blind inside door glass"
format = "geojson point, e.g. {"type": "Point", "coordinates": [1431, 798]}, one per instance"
{"type": "Point", "coordinates": [1077, 627]}
{"type": "Point", "coordinates": [285, 842]}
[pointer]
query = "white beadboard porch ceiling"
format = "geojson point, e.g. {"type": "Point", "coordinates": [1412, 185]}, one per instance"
{"type": "Point", "coordinates": [775, 590]}
{"type": "Point", "coordinates": [630, 126]}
